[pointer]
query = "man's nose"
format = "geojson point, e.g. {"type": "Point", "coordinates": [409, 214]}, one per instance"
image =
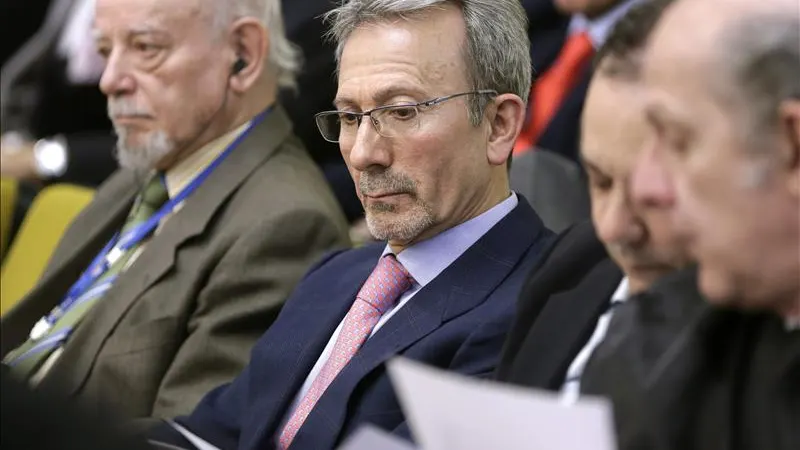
{"type": "Point", "coordinates": [650, 183]}
{"type": "Point", "coordinates": [618, 224]}
{"type": "Point", "coordinates": [117, 79]}
{"type": "Point", "coordinates": [369, 149]}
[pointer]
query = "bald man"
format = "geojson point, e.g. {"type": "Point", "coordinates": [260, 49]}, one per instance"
{"type": "Point", "coordinates": [722, 83]}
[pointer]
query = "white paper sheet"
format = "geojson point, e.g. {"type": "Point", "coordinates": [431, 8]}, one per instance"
{"type": "Point", "coordinates": [196, 440]}
{"type": "Point", "coordinates": [447, 411]}
{"type": "Point", "coordinates": [372, 438]}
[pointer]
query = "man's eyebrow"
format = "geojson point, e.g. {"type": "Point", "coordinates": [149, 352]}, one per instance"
{"type": "Point", "coordinates": [660, 113]}
{"type": "Point", "coordinates": [591, 167]}
{"type": "Point", "coordinates": [342, 103]}
{"type": "Point", "coordinates": [146, 30]}
{"type": "Point", "coordinates": [381, 96]}
{"type": "Point", "coordinates": [134, 32]}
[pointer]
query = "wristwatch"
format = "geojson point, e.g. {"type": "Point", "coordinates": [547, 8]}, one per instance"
{"type": "Point", "coordinates": [50, 156]}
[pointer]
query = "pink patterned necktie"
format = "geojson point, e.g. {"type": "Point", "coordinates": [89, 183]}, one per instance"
{"type": "Point", "coordinates": [380, 292]}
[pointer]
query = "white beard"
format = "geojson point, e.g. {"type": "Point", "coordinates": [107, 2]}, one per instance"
{"type": "Point", "coordinates": [156, 146]}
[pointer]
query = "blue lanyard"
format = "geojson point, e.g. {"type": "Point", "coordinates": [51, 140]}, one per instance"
{"type": "Point", "coordinates": [100, 265]}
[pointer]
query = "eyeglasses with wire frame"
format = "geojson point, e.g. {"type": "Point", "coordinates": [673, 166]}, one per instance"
{"type": "Point", "coordinates": [389, 121]}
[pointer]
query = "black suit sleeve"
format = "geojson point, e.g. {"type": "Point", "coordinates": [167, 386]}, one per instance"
{"type": "Point", "coordinates": [525, 317]}
{"type": "Point", "coordinates": [568, 259]}
{"type": "Point", "coordinates": [45, 420]}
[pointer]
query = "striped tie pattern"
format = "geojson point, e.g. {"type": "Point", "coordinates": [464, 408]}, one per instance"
{"type": "Point", "coordinates": [26, 359]}
{"type": "Point", "coordinates": [388, 281]}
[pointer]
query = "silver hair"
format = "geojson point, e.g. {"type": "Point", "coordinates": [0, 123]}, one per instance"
{"type": "Point", "coordinates": [284, 56]}
{"type": "Point", "coordinates": [497, 51]}
{"type": "Point", "coordinates": [762, 54]}
{"type": "Point", "coordinates": [761, 57]}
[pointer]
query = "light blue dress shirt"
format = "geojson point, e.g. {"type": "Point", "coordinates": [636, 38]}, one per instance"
{"type": "Point", "coordinates": [600, 27]}
{"type": "Point", "coordinates": [424, 261]}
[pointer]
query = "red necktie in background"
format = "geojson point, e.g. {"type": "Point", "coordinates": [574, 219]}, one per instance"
{"type": "Point", "coordinates": [549, 90]}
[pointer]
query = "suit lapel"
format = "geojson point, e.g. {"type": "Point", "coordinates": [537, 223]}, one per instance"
{"type": "Point", "coordinates": [199, 209]}
{"type": "Point", "coordinates": [86, 236]}
{"type": "Point", "coordinates": [456, 291]}
{"type": "Point", "coordinates": [158, 257]}
{"type": "Point", "coordinates": [564, 325]}
{"type": "Point", "coordinates": [315, 311]}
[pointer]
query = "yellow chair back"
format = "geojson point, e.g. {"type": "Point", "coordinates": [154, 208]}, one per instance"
{"type": "Point", "coordinates": [8, 201]}
{"type": "Point", "coordinates": [50, 214]}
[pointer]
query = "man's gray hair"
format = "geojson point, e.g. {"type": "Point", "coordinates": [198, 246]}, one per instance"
{"type": "Point", "coordinates": [762, 53]}
{"type": "Point", "coordinates": [497, 51]}
{"type": "Point", "coordinates": [284, 56]}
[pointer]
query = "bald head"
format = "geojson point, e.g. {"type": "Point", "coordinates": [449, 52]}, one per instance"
{"type": "Point", "coordinates": [748, 50]}
{"type": "Point", "coordinates": [723, 102]}
{"type": "Point", "coordinates": [760, 51]}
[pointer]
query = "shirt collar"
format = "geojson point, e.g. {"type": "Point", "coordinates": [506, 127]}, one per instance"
{"type": "Point", "coordinates": [427, 259]}
{"type": "Point", "coordinates": [600, 27]}
{"type": "Point", "coordinates": [622, 293]}
{"type": "Point", "coordinates": [179, 176]}
{"type": "Point", "coordinates": [793, 324]}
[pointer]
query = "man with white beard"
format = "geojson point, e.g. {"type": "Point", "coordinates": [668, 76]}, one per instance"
{"type": "Point", "coordinates": [160, 287]}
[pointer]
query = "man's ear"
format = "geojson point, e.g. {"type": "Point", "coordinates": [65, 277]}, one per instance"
{"type": "Point", "coordinates": [506, 117]}
{"type": "Point", "coordinates": [789, 114]}
{"type": "Point", "coordinates": [250, 42]}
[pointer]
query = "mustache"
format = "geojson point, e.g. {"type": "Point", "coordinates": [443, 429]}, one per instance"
{"type": "Point", "coordinates": [386, 182]}
{"type": "Point", "coordinates": [125, 107]}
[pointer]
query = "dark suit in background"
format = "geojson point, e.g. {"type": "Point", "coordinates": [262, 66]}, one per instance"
{"type": "Point", "coordinates": [183, 318]}
{"type": "Point", "coordinates": [317, 89]}
{"type": "Point", "coordinates": [560, 303]}
{"type": "Point", "coordinates": [457, 322]}
{"type": "Point", "coordinates": [547, 31]}
{"type": "Point", "coordinates": [684, 375]}
{"type": "Point", "coordinates": [47, 421]}
{"type": "Point", "coordinates": [554, 182]}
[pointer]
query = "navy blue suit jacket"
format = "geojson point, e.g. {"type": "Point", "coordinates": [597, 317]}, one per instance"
{"type": "Point", "coordinates": [457, 322]}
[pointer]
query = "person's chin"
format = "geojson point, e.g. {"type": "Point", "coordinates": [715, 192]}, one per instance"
{"type": "Point", "coordinates": [642, 279]}
{"type": "Point", "coordinates": [642, 275]}
{"type": "Point", "coordinates": [716, 286]}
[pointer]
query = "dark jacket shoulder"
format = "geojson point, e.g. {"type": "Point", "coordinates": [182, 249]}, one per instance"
{"type": "Point", "coordinates": [559, 303]}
